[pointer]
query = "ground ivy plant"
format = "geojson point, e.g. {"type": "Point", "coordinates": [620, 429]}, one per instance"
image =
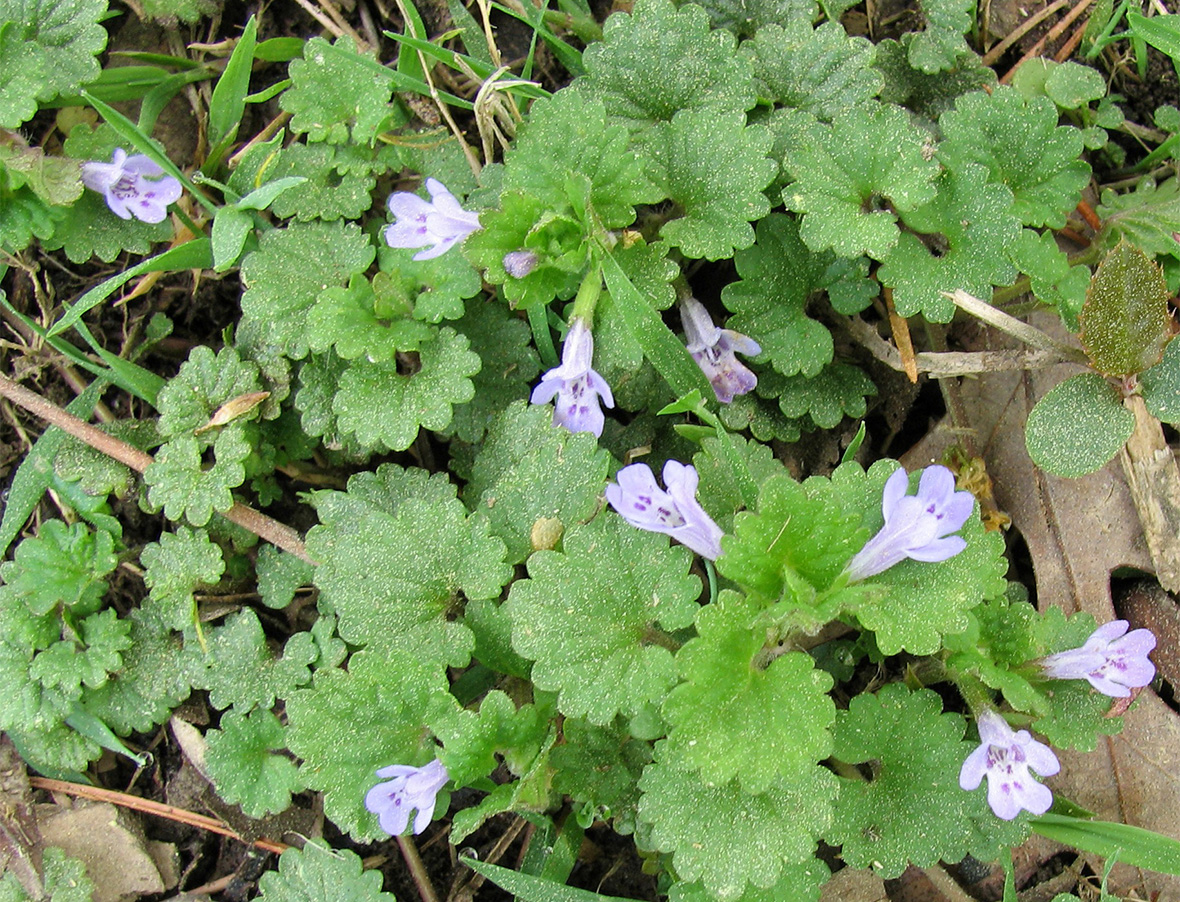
{"type": "Point", "coordinates": [552, 558]}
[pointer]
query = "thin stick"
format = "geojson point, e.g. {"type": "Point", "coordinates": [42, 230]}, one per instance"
{"type": "Point", "coordinates": [990, 58]}
{"type": "Point", "coordinates": [417, 869]}
{"type": "Point", "coordinates": [147, 806]}
{"type": "Point", "coordinates": [321, 18]}
{"type": "Point", "coordinates": [993, 316]}
{"type": "Point", "coordinates": [260, 524]}
{"type": "Point", "coordinates": [265, 135]}
{"type": "Point", "coordinates": [951, 364]}
{"type": "Point", "coordinates": [1054, 33]}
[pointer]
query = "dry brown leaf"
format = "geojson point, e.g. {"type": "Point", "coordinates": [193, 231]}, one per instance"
{"type": "Point", "coordinates": [107, 839]}
{"type": "Point", "coordinates": [1077, 531]}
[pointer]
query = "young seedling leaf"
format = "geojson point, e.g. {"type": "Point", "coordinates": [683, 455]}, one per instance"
{"type": "Point", "coordinates": [1125, 320]}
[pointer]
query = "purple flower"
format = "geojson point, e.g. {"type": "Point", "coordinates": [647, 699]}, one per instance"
{"type": "Point", "coordinates": [1112, 662]}
{"type": "Point", "coordinates": [437, 225]}
{"type": "Point", "coordinates": [1004, 757]}
{"type": "Point", "coordinates": [918, 526]}
{"type": "Point", "coordinates": [578, 388]}
{"type": "Point", "coordinates": [676, 512]}
{"type": "Point", "coordinates": [519, 264]}
{"type": "Point", "coordinates": [411, 788]}
{"type": "Point", "coordinates": [133, 186]}
{"type": "Point", "coordinates": [713, 349]}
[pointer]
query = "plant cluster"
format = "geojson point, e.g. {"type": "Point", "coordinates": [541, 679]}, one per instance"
{"type": "Point", "coordinates": [503, 600]}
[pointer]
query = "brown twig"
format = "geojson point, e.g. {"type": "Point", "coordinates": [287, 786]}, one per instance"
{"type": "Point", "coordinates": [278, 534]}
{"type": "Point", "coordinates": [147, 806]}
{"type": "Point", "coordinates": [1054, 33]}
{"type": "Point", "coordinates": [901, 336]}
{"type": "Point", "coordinates": [951, 364]}
{"type": "Point", "coordinates": [993, 55]}
{"type": "Point", "coordinates": [417, 869]}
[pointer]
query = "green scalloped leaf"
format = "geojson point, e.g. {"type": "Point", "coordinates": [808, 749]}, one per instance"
{"type": "Point", "coordinates": [568, 133]}
{"type": "Point", "coordinates": [769, 303]}
{"type": "Point", "coordinates": [737, 715]}
{"type": "Point", "coordinates": [178, 482]}
{"type": "Point", "coordinates": [971, 225]}
{"type": "Point", "coordinates": [727, 838]}
{"type": "Point", "coordinates": [523, 223]}
{"type": "Point", "coordinates": [836, 391]}
{"type": "Point", "coordinates": [382, 406]}
{"type": "Point", "coordinates": [821, 70]}
{"type": "Point", "coordinates": [698, 68]}
{"type": "Point", "coordinates": [173, 569]}
{"type": "Point", "coordinates": [1125, 320]}
{"type": "Point", "coordinates": [153, 679]}
{"type": "Point", "coordinates": [239, 668]}
{"type": "Point", "coordinates": [1051, 277]}
{"type": "Point", "coordinates": [335, 188]}
{"type": "Point", "coordinates": [720, 490]}
{"type": "Point", "coordinates": [714, 168]}
{"type": "Point", "coordinates": [471, 741]}
{"type": "Point", "coordinates": [317, 873]}
{"type": "Point", "coordinates": [1077, 426]}
{"type": "Point", "coordinates": [999, 639]}
{"type": "Point", "coordinates": [1019, 141]}
{"type": "Point", "coordinates": [598, 766]}
{"type": "Point", "coordinates": [61, 565]}
{"type": "Point", "coordinates": [1148, 217]}
{"type": "Point", "coordinates": [794, 544]}
{"type": "Point", "coordinates": [503, 342]}
{"type": "Point", "coordinates": [746, 17]}
{"type": "Point", "coordinates": [528, 470]}
{"type": "Point", "coordinates": [334, 96]}
{"type": "Point", "coordinates": [242, 765]}
{"type": "Point", "coordinates": [279, 294]}
{"type": "Point", "coordinates": [346, 726]}
{"type": "Point", "coordinates": [279, 576]}
{"type": "Point", "coordinates": [916, 752]}
{"type": "Point", "coordinates": [927, 95]}
{"type": "Point", "coordinates": [429, 290]}
{"type": "Point", "coordinates": [940, 45]}
{"type": "Point", "coordinates": [432, 554]}
{"type": "Point", "coordinates": [845, 172]}
{"type": "Point", "coordinates": [206, 381]}
{"type": "Point", "coordinates": [346, 320]}
{"type": "Point", "coordinates": [47, 48]}
{"type": "Point", "coordinates": [88, 658]}
{"type": "Point", "coordinates": [587, 616]}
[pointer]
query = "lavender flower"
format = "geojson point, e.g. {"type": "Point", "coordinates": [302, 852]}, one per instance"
{"type": "Point", "coordinates": [1004, 757]}
{"type": "Point", "coordinates": [713, 349]}
{"type": "Point", "coordinates": [519, 264]}
{"type": "Point", "coordinates": [411, 788]}
{"type": "Point", "coordinates": [437, 225]}
{"type": "Point", "coordinates": [918, 526]}
{"type": "Point", "coordinates": [577, 387]}
{"type": "Point", "coordinates": [676, 512]}
{"type": "Point", "coordinates": [1112, 662]}
{"type": "Point", "coordinates": [133, 186]}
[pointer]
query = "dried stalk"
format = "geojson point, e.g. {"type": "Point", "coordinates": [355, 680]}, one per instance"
{"type": "Point", "coordinates": [147, 806]}
{"type": "Point", "coordinates": [260, 524]}
{"type": "Point", "coordinates": [951, 364]}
